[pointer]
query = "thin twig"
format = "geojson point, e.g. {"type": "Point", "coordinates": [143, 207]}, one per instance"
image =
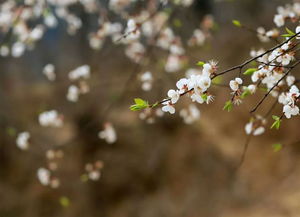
{"type": "Point", "coordinates": [243, 157]}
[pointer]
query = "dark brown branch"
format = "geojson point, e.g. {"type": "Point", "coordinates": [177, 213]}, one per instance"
{"type": "Point", "coordinates": [240, 67]}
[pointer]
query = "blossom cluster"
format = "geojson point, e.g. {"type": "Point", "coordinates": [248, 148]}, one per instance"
{"type": "Point", "coordinates": [51, 119]}
{"type": "Point", "coordinates": [196, 86]}
{"type": "Point", "coordinates": [289, 100]}
{"type": "Point", "coordinates": [79, 75]}
{"type": "Point", "coordinates": [108, 133]}
{"type": "Point", "coordinates": [93, 171]}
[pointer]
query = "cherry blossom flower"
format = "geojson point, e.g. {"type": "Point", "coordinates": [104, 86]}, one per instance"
{"type": "Point", "coordinates": [182, 85]}
{"type": "Point", "coordinates": [146, 79]}
{"type": "Point", "coordinates": [132, 32]}
{"type": "Point", "coordinates": [43, 176]}
{"type": "Point", "coordinates": [80, 72]}
{"type": "Point", "coordinates": [256, 126]}
{"type": "Point", "coordinates": [197, 39]}
{"type": "Point", "coordinates": [49, 72]}
{"type": "Point", "coordinates": [290, 80]}
{"type": "Point", "coordinates": [290, 110]}
{"type": "Point", "coordinates": [23, 140]}
{"type": "Point", "coordinates": [94, 170]}
{"type": "Point", "coordinates": [50, 119]}
{"type": "Point", "coordinates": [173, 64]}
{"type": "Point", "coordinates": [279, 20]}
{"type": "Point", "coordinates": [73, 93]}
{"type": "Point", "coordinates": [168, 107]}
{"type": "Point", "coordinates": [109, 133]}
{"type": "Point", "coordinates": [234, 84]}
{"type": "Point", "coordinates": [135, 51]}
{"type": "Point", "coordinates": [191, 114]}
{"type": "Point", "coordinates": [173, 95]}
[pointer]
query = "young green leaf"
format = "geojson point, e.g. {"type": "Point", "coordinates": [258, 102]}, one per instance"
{"type": "Point", "coordinates": [84, 178]}
{"type": "Point", "coordinates": [200, 63]}
{"type": "Point", "coordinates": [11, 131]}
{"type": "Point", "coordinates": [250, 71]}
{"type": "Point", "coordinates": [204, 97]}
{"type": "Point", "coordinates": [155, 104]}
{"type": "Point", "coordinates": [139, 101]}
{"type": "Point", "coordinates": [177, 23]}
{"type": "Point", "coordinates": [237, 23]}
{"type": "Point", "coordinates": [290, 33]}
{"type": "Point", "coordinates": [217, 80]}
{"type": "Point", "coordinates": [228, 106]}
{"type": "Point", "coordinates": [64, 201]}
{"type": "Point", "coordinates": [276, 123]}
{"type": "Point", "coordinates": [276, 118]}
{"type": "Point", "coordinates": [245, 93]}
{"type": "Point", "coordinates": [277, 147]}
{"type": "Point", "coordinates": [139, 104]}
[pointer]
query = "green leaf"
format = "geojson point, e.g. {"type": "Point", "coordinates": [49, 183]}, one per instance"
{"type": "Point", "coordinates": [217, 80]}
{"type": "Point", "coordinates": [11, 131]}
{"type": "Point", "coordinates": [64, 201]}
{"type": "Point", "coordinates": [155, 104]}
{"type": "Point", "coordinates": [84, 177]}
{"type": "Point", "coordinates": [276, 123]}
{"type": "Point", "coordinates": [250, 71]}
{"type": "Point", "coordinates": [276, 118]}
{"type": "Point", "coordinates": [200, 63]}
{"type": "Point", "coordinates": [290, 33]}
{"type": "Point", "coordinates": [228, 106]}
{"type": "Point", "coordinates": [177, 23]}
{"type": "Point", "coordinates": [139, 101]}
{"type": "Point", "coordinates": [245, 93]}
{"type": "Point", "coordinates": [237, 23]}
{"type": "Point", "coordinates": [139, 104]}
{"type": "Point", "coordinates": [277, 147]}
{"type": "Point", "coordinates": [204, 97]}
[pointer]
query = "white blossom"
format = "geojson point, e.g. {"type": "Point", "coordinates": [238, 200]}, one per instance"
{"type": "Point", "coordinates": [49, 72]}
{"type": "Point", "coordinates": [80, 72]}
{"type": "Point", "coordinates": [234, 84]}
{"type": "Point", "coordinates": [168, 107]}
{"type": "Point", "coordinates": [109, 133]}
{"type": "Point", "coordinates": [173, 95]}
{"type": "Point", "coordinates": [23, 140]}
{"type": "Point", "coordinates": [50, 119]}
{"type": "Point", "coordinates": [290, 110]}
{"type": "Point", "coordinates": [73, 93]}
{"type": "Point", "coordinates": [279, 20]}
{"type": "Point", "coordinates": [146, 79]}
{"type": "Point", "coordinates": [43, 176]}
{"type": "Point", "coordinates": [190, 115]}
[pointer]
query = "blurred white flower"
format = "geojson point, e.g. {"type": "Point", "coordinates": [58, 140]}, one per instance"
{"type": "Point", "coordinates": [49, 72]}
{"type": "Point", "coordinates": [43, 176]}
{"type": "Point", "coordinates": [73, 93]}
{"type": "Point", "coordinates": [50, 119]}
{"type": "Point", "coordinates": [80, 72]}
{"type": "Point", "coordinates": [109, 133]}
{"type": "Point", "coordinates": [23, 140]}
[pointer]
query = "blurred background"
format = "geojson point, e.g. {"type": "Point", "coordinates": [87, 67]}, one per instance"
{"type": "Point", "coordinates": [167, 168]}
